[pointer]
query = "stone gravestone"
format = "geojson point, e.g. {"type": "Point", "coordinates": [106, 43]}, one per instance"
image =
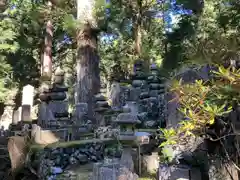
{"type": "Point", "coordinates": [17, 116]}
{"type": "Point", "coordinates": [6, 118]}
{"type": "Point", "coordinates": [26, 113]}
{"type": "Point", "coordinates": [27, 95]}
{"type": "Point", "coordinates": [173, 172]}
{"type": "Point", "coordinates": [18, 149]}
{"type": "Point", "coordinates": [81, 110]}
{"type": "Point", "coordinates": [27, 102]}
{"type": "Point", "coordinates": [173, 115]}
{"type": "Point", "coordinates": [133, 106]}
{"type": "Point", "coordinates": [45, 115]}
{"type": "Point", "coordinates": [58, 106]}
{"type": "Point", "coordinates": [114, 95]}
{"type": "Point", "coordinates": [43, 137]}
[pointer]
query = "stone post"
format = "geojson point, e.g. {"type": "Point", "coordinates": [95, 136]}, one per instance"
{"type": "Point", "coordinates": [17, 116]}
{"type": "Point", "coordinates": [79, 113]}
{"type": "Point", "coordinates": [27, 103]}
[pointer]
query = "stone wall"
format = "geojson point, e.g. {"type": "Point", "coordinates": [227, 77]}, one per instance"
{"type": "Point", "coordinates": [62, 158]}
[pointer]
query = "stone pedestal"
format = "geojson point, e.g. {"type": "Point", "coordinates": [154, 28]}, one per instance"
{"type": "Point", "coordinates": [126, 159]}
{"type": "Point", "coordinates": [173, 172]}
{"type": "Point", "coordinates": [43, 137]}
{"type": "Point", "coordinates": [150, 163]}
{"type": "Point", "coordinates": [26, 113]}
{"type": "Point", "coordinates": [16, 116]}
{"type": "Point", "coordinates": [6, 118]}
{"type": "Point", "coordinates": [27, 103]}
{"type": "Point", "coordinates": [100, 107]}
{"type": "Point", "coordinates": [80, 111]}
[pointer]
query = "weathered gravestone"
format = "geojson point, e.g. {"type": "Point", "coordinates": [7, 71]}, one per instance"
{"type": "Point", "coordinates": [114, 95]}
{"type": "Point", "coordinates": [27, 103]}
{"type": "Point", "coordinates": [6, 117]}
{"type": "Point", "coordinates": [17, 116]}
{"type": "Point", "coordinates": [43, 137]}
{"type": "Point", "coordinates": [18, 148]}
{"type": "Point", "coordinates": [58, 106]}
{"type": "Point", "coordinates": [173, 172]}
{"type": "Point", "coordinates": [101, 106]}
{"type": "Point", "coordinates": [112, 170]}
{"type": "Point", "coordinates": [81, 110]}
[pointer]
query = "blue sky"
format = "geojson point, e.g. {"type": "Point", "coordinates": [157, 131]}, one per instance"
{"type": "Point", "coordinates": [171, 16]}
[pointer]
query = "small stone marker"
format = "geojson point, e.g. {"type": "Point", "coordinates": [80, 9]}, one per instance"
{"type": "Point", "coordinates": [58, 106]}
{"type": "Point", "coordinates": [27, 95]}
{"type": "Point", "coordinates": [17, 116]}
{"type": "Point", "coordinates": [173, 172]}
{"type": "Point", "coordinates": [80, 110]}
{"type": "Point", "coordinates": [26, 113]}
{"type": "Point", "coordinates": [27, 103]}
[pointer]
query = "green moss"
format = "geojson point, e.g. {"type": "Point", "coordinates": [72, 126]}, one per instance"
{"type": "Point", "coordinates": [73, 143]}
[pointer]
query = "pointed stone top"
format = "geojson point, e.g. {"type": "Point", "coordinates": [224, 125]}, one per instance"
{"type": "Point", "coordinates": [28, 86]}
{"type": "Point", "coordinates": [28, 89]}
{"type": "Point", "coordinates": [127, 118]}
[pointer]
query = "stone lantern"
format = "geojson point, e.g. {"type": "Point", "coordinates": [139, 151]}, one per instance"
{"type": "Point", "coordinates": [126, 123]}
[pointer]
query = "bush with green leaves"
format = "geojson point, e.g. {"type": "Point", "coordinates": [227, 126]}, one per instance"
{"type": "Point", "coordinates": [202, 102]}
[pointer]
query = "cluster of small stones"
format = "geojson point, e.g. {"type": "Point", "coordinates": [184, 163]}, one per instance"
{"type": "Point", "coordinates": [55, 161]}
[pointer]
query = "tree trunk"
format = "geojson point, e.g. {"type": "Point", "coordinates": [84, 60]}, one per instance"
{"type": "Point", "coordinates": [3, 5]}
{"type": "Point", "coordinates": [46, 64]}
{"type": "Point", "coordinates": [47, 54]}
{"type": "Point", "coordinates": [88, 78]}
{"type": "Point", "coordinates": [137, 31]}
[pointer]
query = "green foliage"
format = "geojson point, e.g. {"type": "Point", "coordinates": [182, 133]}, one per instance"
{"type": "Point", "coordinates": [201, 102]}
{"type": "Point", "coordinates": [119, 51]}
{"type": "Point", "coordinates": [209, 35]}
{"type": "Point", "coordinates": [7, 45]}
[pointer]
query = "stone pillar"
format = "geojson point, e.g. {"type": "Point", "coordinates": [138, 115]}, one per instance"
{"type": "Point", "coordinates": [17, 116]}
{"type": "Point", "coordinates": [79, 113]}
{"type": "Point", "coordinates": [27, 103]}
{"type": "Point", "coordinates": [100, 107]}
{"type": "Point", "coordinates": [114, 95]}
{"type": "Point", "coordinates": [6, 118]}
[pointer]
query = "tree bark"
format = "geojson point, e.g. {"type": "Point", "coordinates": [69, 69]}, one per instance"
{"type": "Point", "coordinates": [47, 54]}
{"type": "Point", "coordinates": [137, 31]}
{"type": "Point", "coordinates": [88, 78]}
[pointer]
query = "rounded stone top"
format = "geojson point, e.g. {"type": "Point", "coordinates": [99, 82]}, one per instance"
{"type": "Point", "coordinates": [59, 72]}
{"type": "Point", "coordinates": [138, 63]}
{"type": "Point", "coordinates": [126, 109]}
{"type": "Point", "coordinates": [99, 97]}
{"type": "Point", "coordinates": [153, 67]}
